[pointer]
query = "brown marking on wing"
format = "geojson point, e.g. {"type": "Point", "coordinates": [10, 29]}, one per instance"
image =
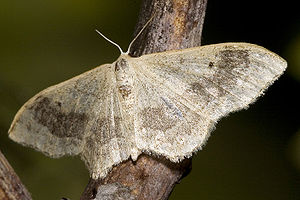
{"type": "Point", "coordinates": [58, 123]}
{"type": "Point", "coordinates": [157, 119]}
{"type": "Point", "coordinates": [106, 129]}
{"type": "Point", "coordinates": [229, 59]}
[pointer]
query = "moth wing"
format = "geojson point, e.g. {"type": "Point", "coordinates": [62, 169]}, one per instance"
{"type": "Point", "coordinates": [78, 116]}
{"type": "Point", "coordinates": [191, 89]}
{"type": "Point", "coordinates": [166, 125]}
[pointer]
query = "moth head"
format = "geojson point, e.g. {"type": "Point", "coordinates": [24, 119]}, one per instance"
{"type": "Point", "coordinates": [121, 64]}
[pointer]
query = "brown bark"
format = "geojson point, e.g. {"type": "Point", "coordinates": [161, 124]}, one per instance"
{"type": "Point", "coordinates": [177, 24]}
{"type": "Point", "coordinates": [11, 187]}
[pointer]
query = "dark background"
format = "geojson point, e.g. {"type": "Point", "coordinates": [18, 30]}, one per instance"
{"type": "Point", "coordinates": [253, 154]}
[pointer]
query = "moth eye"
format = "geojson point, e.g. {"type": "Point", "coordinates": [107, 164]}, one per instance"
{"type": "Point", "coordinates": [117, 67]}
{"type": "Point", "coordinates": [211, 64]}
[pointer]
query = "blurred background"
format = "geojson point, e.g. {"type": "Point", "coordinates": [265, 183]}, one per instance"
{"type": "Point", "coordinates": [252, 154]}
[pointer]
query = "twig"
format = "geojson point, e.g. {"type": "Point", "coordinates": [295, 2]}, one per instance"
{"type": "Point", "coordinates": [11, 187]}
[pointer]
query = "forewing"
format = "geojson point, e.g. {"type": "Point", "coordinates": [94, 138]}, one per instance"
{"type": "Point", "coordinates": [78, 116]}
{"type": "Point", "coordinates": [205, 84]}
{"type": "Point", "coordinates": [55, 120]}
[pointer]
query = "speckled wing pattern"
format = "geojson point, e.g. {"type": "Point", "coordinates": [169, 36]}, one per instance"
{"type": "Point", "coordinates": [78, 116]}
{"type": "Point", "coordinates": [182, 94]}
{"type": "Point", "coordinates": [164, 103]}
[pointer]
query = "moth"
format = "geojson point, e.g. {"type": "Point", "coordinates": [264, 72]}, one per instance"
{"type": "Point", "coordinates": [164, 104]}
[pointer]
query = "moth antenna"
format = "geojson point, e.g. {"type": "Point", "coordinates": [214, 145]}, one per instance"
{"type": "Point", "coordinates": [122, 52]}
{"type": "Point", "coordinates": [139, 33]}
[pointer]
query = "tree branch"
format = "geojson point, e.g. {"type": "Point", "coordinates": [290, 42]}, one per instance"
{"type": "Point", "coordinates": [177, 24]}
{"type": "Point", "coordinates": [11, 187]}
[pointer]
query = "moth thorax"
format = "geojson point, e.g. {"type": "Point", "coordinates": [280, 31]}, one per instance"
{"type": "Point", "coordinates": [124, 77]}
